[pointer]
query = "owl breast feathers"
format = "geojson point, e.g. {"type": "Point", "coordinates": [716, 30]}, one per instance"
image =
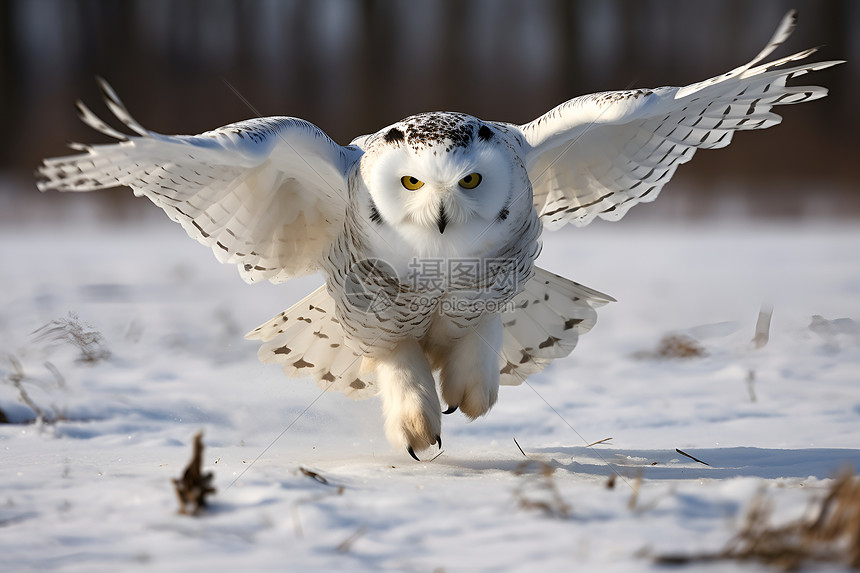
{"type": "Point", "coordinates": [427, 231]}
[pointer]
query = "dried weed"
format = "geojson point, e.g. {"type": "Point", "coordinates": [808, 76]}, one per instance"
{"type": "Point", "coordinates": [72, 331]}
{"type": "Point", "coordinates": [674, 346]}
{"type": "Point", "coordinates": [17, 377]}
{"type": "Point", "coordinates": [831, 536]}
{"type": "Point", "coordinates": [194, 486]}
{"type": "Point", "coordinates": [538, 490]}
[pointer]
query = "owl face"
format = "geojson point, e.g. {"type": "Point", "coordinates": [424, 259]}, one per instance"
{"type": "Point", "coordinates": [442, 183]}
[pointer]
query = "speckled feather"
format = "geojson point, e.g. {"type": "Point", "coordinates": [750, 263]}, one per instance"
{"type": "Point", "coordinates": [548, 318]}
{"type": "Point", "coordinates": [308, 341]}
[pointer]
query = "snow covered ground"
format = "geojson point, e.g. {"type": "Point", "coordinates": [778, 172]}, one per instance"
{"type": "Point", "coordinates": [91, 490]}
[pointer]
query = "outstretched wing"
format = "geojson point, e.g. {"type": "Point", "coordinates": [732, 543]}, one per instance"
{"type": "Point", "coordinates": [265, 194]}
{"type": "Point", "coordinates": [545, 323]}
{"type": "Point", "coordinates": [308, 340]}
{"type": "Point", "coordinates": [600, 154]}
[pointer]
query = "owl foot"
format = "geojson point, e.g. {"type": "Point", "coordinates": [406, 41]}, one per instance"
{"type": "Point", "coordinates": [411, 451]}
{"type": "Point", "coordinates": [413, 414]}
{"type": "Point", "coordinates": [413, 421]}
{"type": "Point", "coordinates": [469, 375]}
{"type": "Point", "coordinates": [474, 396]}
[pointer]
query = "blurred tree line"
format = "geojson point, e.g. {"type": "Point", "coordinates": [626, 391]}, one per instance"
{"type": "Point", "coordinates": [353, 66]}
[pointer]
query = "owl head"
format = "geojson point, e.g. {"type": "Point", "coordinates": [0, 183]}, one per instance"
{"type": "Point", "coordinates": [442, 183]}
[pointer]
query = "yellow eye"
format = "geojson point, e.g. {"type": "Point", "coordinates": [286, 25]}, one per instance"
{"type": "Point", "coordinates": [470, 181]}
{"type": "Point", "coordinates": [411, 183]}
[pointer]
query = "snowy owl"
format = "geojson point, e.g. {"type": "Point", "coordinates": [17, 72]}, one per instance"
{"type": "Point", "coordinates": [426, 231]}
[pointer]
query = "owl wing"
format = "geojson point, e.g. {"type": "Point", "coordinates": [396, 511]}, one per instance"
{"type": "Point", "coordinates": [544, 323]}
{"type": "Point", "coordinates": [600, 154]}
{"type": "Point", "coordinates": [266, 194]}
{"type": "Point", "coordinates": [308, 340]}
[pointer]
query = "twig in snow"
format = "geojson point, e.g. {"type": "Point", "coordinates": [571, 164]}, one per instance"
{"type": "Point", "coordinates": [320, 479]}
{"type": "Point", "coordinates": [194, 485]}
{"type": "Point", "coordinates": [520, 448]}
{"type": "Point", "coordinates": [345, 545]}
{"type": "Point", "coordinates": [610, 481]}
{"type": "Point", "coordinates": [314, 475]}
{"type": "Point", "coordinates": [692, 458]}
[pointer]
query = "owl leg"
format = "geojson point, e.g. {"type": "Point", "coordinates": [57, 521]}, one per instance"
{"type": "Point", "coordinates": [470, 369]}
{"type": "Point", "coordinates": [411, 406]}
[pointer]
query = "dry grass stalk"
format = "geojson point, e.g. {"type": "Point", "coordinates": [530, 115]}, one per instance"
{"type": "Point", "coordinates": [345, 545]}
{"type": "Point", "coordinates": [194, 486]}
{"type": "Point", "coordinates": [16, 378]}
{"type": "Point", "coordinates": [58, 376]}
{"type": "Point", "coordinates": [637, 486]}
{"type": "Point", "coordinates": [751, 385]}
{"type": "Point", "coordinates": [762, 327]}
{"type": "Point", "coordinates": [833, 536]}
{"type": "Point", "coordinates": [538, 490]}
{"type": "Point", "coordinates": [70, 330]}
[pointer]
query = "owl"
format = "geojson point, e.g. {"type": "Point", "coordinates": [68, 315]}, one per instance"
{"type": "Point", "coordinates": [426, 231]}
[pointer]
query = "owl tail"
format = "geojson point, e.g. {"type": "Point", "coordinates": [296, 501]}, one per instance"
{"type": "Point", "coordinates": [545, 323]}
{"type": "Point", "coordinates": [307, 341]}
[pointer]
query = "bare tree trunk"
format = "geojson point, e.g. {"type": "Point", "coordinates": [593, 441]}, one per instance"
{"type": "Point", "coordinates": [11, 91]}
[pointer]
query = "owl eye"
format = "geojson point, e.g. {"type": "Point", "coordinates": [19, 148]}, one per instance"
{"type": "Point", "coordinates": [411, 183]}
{"type": "Point", "coordinates": [471, 181]}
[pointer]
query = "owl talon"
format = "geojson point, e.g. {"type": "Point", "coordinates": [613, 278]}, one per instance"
{"type": "Point", "coordinates": [412, 453]}
{"type": "Point", "coordinates": [450, 410]}
{"type": "Point", "coordinates": [439, 440]}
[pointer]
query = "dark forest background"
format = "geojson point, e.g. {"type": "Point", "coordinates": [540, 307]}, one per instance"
{"type": "Point", "coordinates": [352, 67]}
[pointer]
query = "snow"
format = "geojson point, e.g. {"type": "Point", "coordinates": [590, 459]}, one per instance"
{"type": "Point", "coordinates": [91, 491]}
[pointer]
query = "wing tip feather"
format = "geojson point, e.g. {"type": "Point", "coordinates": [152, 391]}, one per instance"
{"type": "Point", "coordinates": [118, 108]}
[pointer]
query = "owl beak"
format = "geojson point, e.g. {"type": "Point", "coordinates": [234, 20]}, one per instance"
{"type": "Point", "coordinates": [442, 221]}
